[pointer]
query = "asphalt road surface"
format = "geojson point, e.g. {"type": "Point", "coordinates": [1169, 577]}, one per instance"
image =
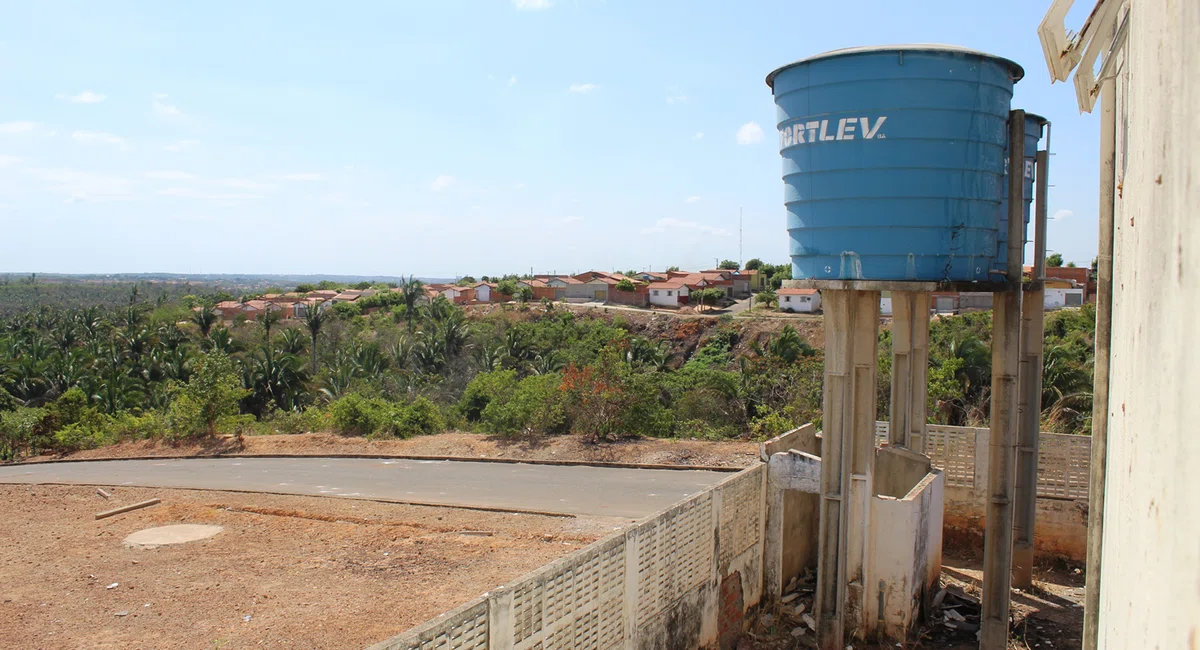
{"type": "Point", "coordinates": [602, 491]}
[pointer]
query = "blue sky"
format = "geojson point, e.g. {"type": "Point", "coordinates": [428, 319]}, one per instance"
{"type": "Point", "coordinates": [441, 137]}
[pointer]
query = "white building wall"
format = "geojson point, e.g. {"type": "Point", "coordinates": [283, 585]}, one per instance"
{"type": "Point", "coordinates": [1150, 586]}
{"type": "Point", "coordinates": [659, 297]}
{"type": "Point", "coordinates": [483, 293]}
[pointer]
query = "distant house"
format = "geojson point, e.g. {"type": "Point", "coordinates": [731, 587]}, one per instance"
{"type": "Point", "coordinates": [1063, 293]}
{"type": "Point", "coordinates": [483, 291]}
{"type": "Point", "coordinates": [669, 293]}
{"type": "Point", "coordinates": [805, 301]}
{"type": "Point", "coordinates": [228, 309]}
{"type": "Point", "coordinates": [755, 280]}
{"type": "Point", "coordinates": [647, 276]}
{"type": "Point", "coordinates": [593, 286]}
{"type": "Point", "coordinates": [560, 283]}
{"type": "Point", "coordinates": [455, 294]}
{"type": "Point", "coordinates": [539, 287]}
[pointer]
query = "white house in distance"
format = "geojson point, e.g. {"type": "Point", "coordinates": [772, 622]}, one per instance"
{"type": "Point", "coordinates": [799, 300]}
{"type": "Point", "coordinates": [671, 293]}
{"type": "Point", "coordinates": [483, 291]}
{"type": "Point", "coordinates": [1062, 293]}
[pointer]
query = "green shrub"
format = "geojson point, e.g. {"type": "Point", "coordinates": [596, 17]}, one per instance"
{"type": "Point", "coordinates": [127, 426]}
{"type": "Point", "coordinates": [537, 406]}
{"type": "Point", "coordinates": [485, 387]}
{"type": "Point", "coordinates": [354, 415]}
{"type": "Point", "coordinates": [23, 431]}
{"type": "Point", "coordinates": [421, 417]}
{"type": "Point", "coordinates": [291, 422]}
{"type": "Point", "coordinates": [770, 424]}
{"type": "Point", "coordinates": [208, 402]}
{"type": "Point", "coordinates": [81, 436]}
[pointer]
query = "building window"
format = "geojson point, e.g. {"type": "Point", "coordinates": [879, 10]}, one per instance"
{"type": "Point", "coordinates": [656, 292]}
{"type": "Point", "coordinates": [787, 298]}
{"type": "Point", "coordinates": [804, 299]}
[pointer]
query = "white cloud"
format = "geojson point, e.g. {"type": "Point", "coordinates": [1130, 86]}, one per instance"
{"type": "Point", "coordinates": [85, 97]}
{"type": "Point", "coordinates": [162, 108]}
{"type": "Point", "coordinates": [572, 219]}
{"type": "Point", "coordinates": [181, 146]}
{"type": "Point", "coordinates": [512, 81]}
{"type": "Point", "coordinates": [170, 175]}
{"type": "Point", "coordinates": [518, 186]}
{"type": "Point", "coordinates": [6, 161]}
{"type": "Point", "coordinates": [302, 176]}
{"type": "Point", "coordinates": [442, 182]}
{"type": "Point", "coordinates": [244, 184]}
{"type": "Point", "coordinates": [192, 193]}
{"type": "Point", "coordinates": [84, 186]}
{"type": "Point", "coordinates": [533, 5]}
{"type": "Point", "coordinates": [1062, 214]}
{"type": "Point", "coordinates": [96, 137]}
{"type": "Point", "coordinates": [18, 127]}
{"type": "Point", "coordinates": [677, 99]}
{"type": "Point", "coordinates": [699, 135]}
{"type": "Point", "coordinates": [671, 223]}
{"type": "Point", "coordinates": [692, 199]}
{"type": "Point", "coordinates": [583, 88]}
{"type": "Point", "coordinates": [750, 133]}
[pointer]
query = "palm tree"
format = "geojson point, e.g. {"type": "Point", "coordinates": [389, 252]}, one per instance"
{"type": "Point", "coordinates": [267, 320]}
{"type": "Point", "coordinates": [314, 320]}
{"type": "Point", "coordinates": [292, 341]}
{"type": "Point", "coordinates": [412, 289]}
{"type": "Point", "coordinates": [205, 317]}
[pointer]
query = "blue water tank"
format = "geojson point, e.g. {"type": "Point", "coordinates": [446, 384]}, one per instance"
{"type": "Point", "coordinates": [1033, 135]}
{"type": "Point", "coordinates": [893, 161]}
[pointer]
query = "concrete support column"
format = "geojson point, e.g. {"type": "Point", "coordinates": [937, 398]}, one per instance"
{"type": "Point", "coordinates": [910, 369]}
{"type": "Point", "coordinates": [1029, 406]}
{"type": "Point", "coordinates": [1006, 337]}
{"type": "Point", "coordinates": [848, 454]}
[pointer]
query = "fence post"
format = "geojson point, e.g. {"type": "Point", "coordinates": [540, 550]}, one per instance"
{"type": "Point", "coordinates": [501, 628]}
{"type": "Point", "coordinates": [981, 461]}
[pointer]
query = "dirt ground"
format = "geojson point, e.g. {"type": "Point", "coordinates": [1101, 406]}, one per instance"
{"type": "Point", "coordinates": [297, 572]}
{"type": "Point", "coordinates": [459, 445]}
{"type": "Point", "coordinates": [1047, 617]}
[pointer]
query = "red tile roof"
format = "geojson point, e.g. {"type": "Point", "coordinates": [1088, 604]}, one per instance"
{"type": "Point", "coordinates": [796, 292]}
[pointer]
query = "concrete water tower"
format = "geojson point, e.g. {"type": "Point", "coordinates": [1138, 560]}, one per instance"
{"type": "Point", "coordinates": [896, 166]}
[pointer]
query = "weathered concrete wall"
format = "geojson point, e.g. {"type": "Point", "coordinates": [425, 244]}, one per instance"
{"type": "Point", "coordinates": [904, 576]}
{"type": "Point", "coordinates": [1150, 585]}
{"type": "Point", "coordinates": [793, 501]}
{"type": "Point", "coordinates": [1060, 529]}
{"type": "Point", "coordinates": [801, 439]}
{"type": "Point", "coordinates": [679, 580]}
{"type": "Point", "coordinates": [898, 470]}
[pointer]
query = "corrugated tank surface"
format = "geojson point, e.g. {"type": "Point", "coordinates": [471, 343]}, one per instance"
{"type": "Point", "coordinates": [893, 161]}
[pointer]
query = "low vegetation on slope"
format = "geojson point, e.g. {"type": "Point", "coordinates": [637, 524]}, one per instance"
{"type": "Point", "coordinates": [82, 378]}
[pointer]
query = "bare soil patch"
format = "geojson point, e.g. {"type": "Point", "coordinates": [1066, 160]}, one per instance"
{"type": "Point", "coordinates": [461, 445]}
{"type": "Point", "coordinates": [297, 572]}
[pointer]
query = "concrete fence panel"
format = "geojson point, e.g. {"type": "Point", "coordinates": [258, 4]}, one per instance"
{"type": "Point", "coordinates": [683, 578]}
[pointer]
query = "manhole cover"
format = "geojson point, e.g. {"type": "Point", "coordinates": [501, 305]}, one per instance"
{"type": "Point", "coordinates": [165, 535]}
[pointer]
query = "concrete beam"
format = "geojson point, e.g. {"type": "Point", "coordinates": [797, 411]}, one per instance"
{"type": "Point", "coordinates": [848, 453]}
{"type": "Point", "coordinates": [910, 369]}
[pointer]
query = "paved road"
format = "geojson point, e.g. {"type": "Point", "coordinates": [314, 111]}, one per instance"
{"type": "Point", "coordinates": [600, 491]}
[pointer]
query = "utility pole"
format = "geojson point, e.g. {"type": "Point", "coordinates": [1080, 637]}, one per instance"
{"type": "Point", "coordinates": [740, 258]}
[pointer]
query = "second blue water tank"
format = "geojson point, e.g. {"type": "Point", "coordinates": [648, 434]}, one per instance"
{"type": "Point", "coordinates": [893, 161]}
{"type": "Point", "coordinates": [1033, 135]}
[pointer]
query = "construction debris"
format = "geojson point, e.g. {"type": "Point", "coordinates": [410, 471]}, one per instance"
{"type": "Point", "coordinates": [132, 506]}
{"type": "Point", "coordinates": [102, 493]}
